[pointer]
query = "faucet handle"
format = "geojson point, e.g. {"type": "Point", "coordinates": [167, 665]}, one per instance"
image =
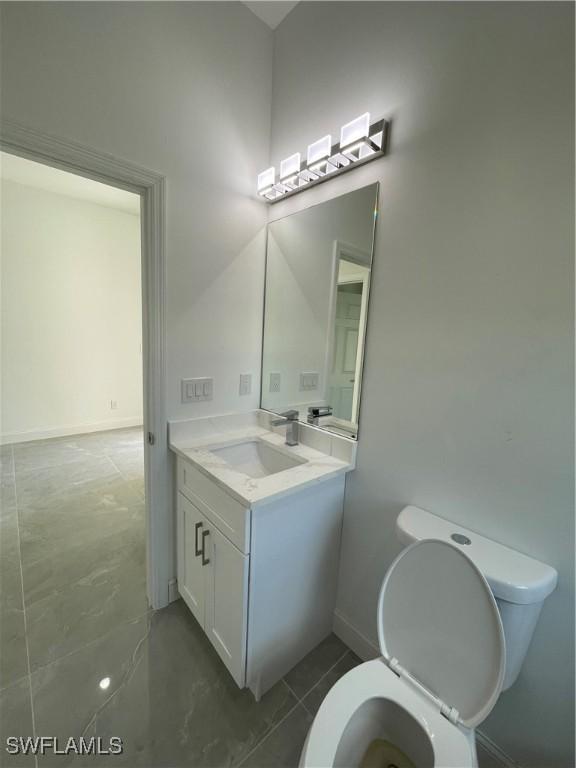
{"type": "Point", "coordinates": [291, 415]}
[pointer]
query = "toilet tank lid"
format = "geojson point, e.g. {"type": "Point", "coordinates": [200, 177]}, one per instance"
{"type": "Point", "coordinates": [512, 576]}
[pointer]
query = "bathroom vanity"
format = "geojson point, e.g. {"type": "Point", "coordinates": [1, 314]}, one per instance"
{"type": "Point", "coordinates": [258, 538]}
{"type": "Point", "coordinates": [259, 499]}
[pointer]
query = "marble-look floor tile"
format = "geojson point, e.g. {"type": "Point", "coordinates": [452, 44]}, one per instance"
{"type": "Point", "coordinates": [86, 563]}
{"type": "Point", "coordinates": [316, 696]}
{"type": "Point", "coordinates": [7, 480]}
{"type": "Point", "coordinates": [10, 574]}
{"type": "Point", "coordinates": [15, 720]}
{"type": "Point", "coordinates": [13, 660]}
{"type": "Point", "coordinates": [283, 747]}
{"type": "Point", "coordinates": [43, 454]}
{"type": "Point", "coordinates": [130, 463]}
{"type": "Point", "coordinates": [169, 697]}
{"type": "Point", "coordinates": [87, 609]}
{"type": "Point", "coordinates": [13, 657]}
{"type": "Point", "coordinates": [308, 672]}
{"type": "Point", "coordinates": [7, 494]}
{"type": "Point", "coordinates": [46, 484]}
{"type": "Point", "coordinates": [111, 442]}
{"type": "Point", "coordinates": [49, 526]}
{"type": "Point", "coordinates": [6, 461]}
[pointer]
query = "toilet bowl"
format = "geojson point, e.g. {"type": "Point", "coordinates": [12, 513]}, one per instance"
{"type": "Point", "coordinates": [440, 674]}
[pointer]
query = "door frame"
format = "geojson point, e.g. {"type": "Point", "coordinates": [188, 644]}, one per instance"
{"type": "Point", "coordinates": [29, 143]}
{"type": "Point", "coordinates": [355, 255]}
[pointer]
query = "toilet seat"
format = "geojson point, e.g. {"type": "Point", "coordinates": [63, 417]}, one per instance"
{"type": "Point", "coordinates": [453, 747]}
{"type": "Point", "coordinates": [441, 671]}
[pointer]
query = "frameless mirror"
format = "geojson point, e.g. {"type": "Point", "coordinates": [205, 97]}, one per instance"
{"type": "Point", "coordinates": [318, 264]}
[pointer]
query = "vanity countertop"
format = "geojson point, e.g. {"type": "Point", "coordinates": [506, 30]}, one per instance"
{"type": "Point", "coordinates": [195, 439]}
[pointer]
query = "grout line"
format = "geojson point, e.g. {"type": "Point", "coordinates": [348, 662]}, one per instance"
{"type": "Point", "coordinates": [292, 691]}
{"type": "Point", "coordinates": [341, 658]}
{"type": "Point", "coordinates": [268, 734]}
{"type": "Point", "coordinates": [32, 714]}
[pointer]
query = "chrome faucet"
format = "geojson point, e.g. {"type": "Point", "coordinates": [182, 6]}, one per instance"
{"type": "Point", "coordinates": [290, 419]}
{"type": "Point", "coordinates": [316, 412]}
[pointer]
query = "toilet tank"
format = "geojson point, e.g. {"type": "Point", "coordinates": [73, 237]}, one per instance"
{"type": "Point", "coordinates": [519, 583]}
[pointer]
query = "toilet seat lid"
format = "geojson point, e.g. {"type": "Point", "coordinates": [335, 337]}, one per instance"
{"type": "Point", "coordinates": [438, 618]}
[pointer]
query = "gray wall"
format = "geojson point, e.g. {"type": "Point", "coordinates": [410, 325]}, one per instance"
{"type": "Point", "coordinates": [183, 89]}
{"type": "Point", "coordinates": [468, 396]}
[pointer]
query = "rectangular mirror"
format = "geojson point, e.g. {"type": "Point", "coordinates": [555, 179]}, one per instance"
{"type": "Point", "coordinates": [318, 264]}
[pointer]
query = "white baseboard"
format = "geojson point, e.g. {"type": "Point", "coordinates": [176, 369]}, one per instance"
{"type": "Point", "coordinates": [496, 755]}
{"type": "Point", "coordinates": [76, 429]}
{"type": "Point", "coordinates": [367, 650]}
{"type": "Point", "coordinates": [353, 638]}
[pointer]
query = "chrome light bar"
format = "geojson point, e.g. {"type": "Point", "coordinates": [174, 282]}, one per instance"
{"type": "Point", "coordinates": [360, 142]}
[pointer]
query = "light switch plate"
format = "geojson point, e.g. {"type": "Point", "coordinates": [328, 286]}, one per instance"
{"type": "Point", "coordinates": [196, 390]}
{"type": "Point", "coordinates": [274, 382]}
{"type": "Point", "coordinates": [245, 383]}
{"type": "Point", "coordinates": [309, 380]}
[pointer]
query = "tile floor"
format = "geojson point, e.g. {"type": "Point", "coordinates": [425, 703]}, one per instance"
{"type": "Point", "coordinates": [73, 614]}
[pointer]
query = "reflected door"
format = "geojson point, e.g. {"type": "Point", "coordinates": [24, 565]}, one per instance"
{"type": "Point", "coordinates": [346, 330]}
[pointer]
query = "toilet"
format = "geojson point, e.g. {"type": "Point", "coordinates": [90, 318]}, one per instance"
{"type": "Point", "coordinates": [456, 613]}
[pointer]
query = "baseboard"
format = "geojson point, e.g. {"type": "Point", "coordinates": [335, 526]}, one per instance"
{"type": "Point", "coordinates": [353, 638]}
{"type": "Point", "coordinates": [76, 429]}
{"type": "Point", "coordinates": [367, 650]}
{"type": "Point", "coordinates": [496, 755]}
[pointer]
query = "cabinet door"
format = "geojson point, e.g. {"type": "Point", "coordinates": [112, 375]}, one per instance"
{"type": "Point", "coordinates": [191, 573]}
{"type": "Point", "coordinates": [226, 602]}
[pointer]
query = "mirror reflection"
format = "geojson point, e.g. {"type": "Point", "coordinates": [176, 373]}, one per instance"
{"type": "Point", "coordinates": [318, 264]}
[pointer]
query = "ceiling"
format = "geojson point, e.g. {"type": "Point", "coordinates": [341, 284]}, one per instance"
{"type": "Point", "coordinates": [272, 12]}
{"type": "Point", "coordinates": [13, 168]}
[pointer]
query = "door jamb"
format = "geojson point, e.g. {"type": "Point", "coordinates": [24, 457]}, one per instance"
{"type": "Point", "coordinates": [67, 155]}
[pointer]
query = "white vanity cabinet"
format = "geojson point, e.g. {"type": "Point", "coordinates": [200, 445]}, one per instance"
{"type": "Point", "coordinates": [260, 579]}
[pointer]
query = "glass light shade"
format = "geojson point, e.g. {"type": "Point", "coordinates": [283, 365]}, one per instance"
{"type": "Point", "coordinates": [266, 179]}
{"type": "Point", "coordinates": [290, 166]}
{"type": "Point", "coordinates": [355, 130]}
{"type": "Point", "coordinates": [319, 150]}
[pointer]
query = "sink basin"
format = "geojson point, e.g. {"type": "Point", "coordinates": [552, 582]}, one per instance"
{"type": "Point", "coordinates": [256, 459]}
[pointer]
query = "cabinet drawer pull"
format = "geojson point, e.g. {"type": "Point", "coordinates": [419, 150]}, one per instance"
{"type": "Point", "coordinates": [205, 560]}
{"type": "Point", "coordinates": [197, 549]}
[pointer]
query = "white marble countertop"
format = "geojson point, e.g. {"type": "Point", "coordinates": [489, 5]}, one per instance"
{"type": "Point", "coordinates": [194, 439]}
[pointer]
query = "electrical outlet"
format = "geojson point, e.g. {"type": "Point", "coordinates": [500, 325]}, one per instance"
{"type": "Point", "coordinates": [308, 381]}
{"type": "Point", "coordinates": [196, 390]}
{"type": "Point", "coordinates": [113, 405]}
{"type": "Point", "coordinates": [245, 383]}
{"type": "Point", "coordinates": [274, 382]}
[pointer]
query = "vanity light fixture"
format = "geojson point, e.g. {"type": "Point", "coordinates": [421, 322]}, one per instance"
{"type": "Point", "coordinates": [289, 171]}
{"type": "Point", "coordinates": [266, 183]}
{"type": "Point", "coordinates": [360, 141]}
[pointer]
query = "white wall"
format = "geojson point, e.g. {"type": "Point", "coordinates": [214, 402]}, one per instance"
{"type": "Point", "coordinates": [183, 89]}
{"type": "Point", "coordinates": [468, 397]}
{"type": "Point", "coordinates": [71, 315]}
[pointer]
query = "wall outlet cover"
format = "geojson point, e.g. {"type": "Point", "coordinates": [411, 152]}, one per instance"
{"type": "Point", "coordinates": [245, 383]}
{"type": "Point", "coordinates": [274, 382]}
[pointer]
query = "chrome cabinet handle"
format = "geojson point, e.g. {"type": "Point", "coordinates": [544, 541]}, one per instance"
{"type": "Point", "coordinates": [197, 549]}
{"type": "Point", "coordinates": [205, 560]}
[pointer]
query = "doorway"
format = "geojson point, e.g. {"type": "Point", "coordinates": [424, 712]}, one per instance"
{"type": "Point", "coordinates": [74, 520]}
{"type": "Point", "coordinates": [349, 321]}
{"type": "Point", "coordinates": [89, 163]}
